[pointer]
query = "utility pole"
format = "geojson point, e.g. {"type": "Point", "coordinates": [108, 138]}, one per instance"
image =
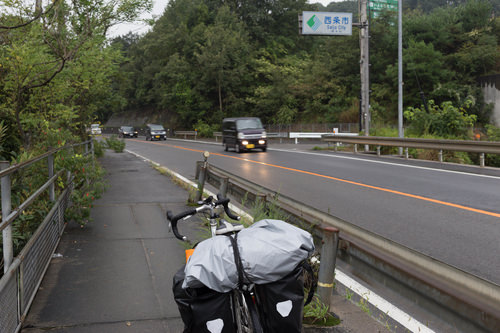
{"type": "Point", "coordinates": [364, 44]}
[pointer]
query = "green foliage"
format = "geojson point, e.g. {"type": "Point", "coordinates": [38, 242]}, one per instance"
{"type": "Point", "coordinates": [267, 210]}
{"type": "Point", "coordinates": [205, 130]}
{"type": "Point", "coordinates": [118, 145]}
{"type": "Point", "coordinates": [317, 313]}
{"type": "Point", "coordinates": [87, 182]}
{"type": "Point", "coordinates": [445, 121]}
{"type": "Point", "coordinates": [493, 134]}
{"type": "Point", "coordinates": [55, 71]}
{"type": "Point", "coordinates": [211, 59]}
{"type": "Point", "coordinates": [3, 132]}
{"type": "Point", "coordinates": [88, 186]}
{"type": "Point", "coordinates": [98, 149]}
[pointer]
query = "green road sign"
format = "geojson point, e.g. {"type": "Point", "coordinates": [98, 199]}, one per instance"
{"type": "Point", "coordinates": [377, 6]}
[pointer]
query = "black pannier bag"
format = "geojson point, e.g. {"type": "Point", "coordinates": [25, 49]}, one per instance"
{"type": "Point", "coordinates": [202, 310]}
{"type": "Point", "coordinates": [282, 302]}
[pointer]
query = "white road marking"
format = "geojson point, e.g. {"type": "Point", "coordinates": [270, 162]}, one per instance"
{"type": "Point", "coordinates": [384, 306]}
{"type": "Point", "coordinates": [359, 159]}
{"type": "Point", "coordinates": [387, 163]}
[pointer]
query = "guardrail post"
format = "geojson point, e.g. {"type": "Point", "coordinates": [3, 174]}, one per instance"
{"type": "Point", "coordinates": [224, 182]}
{"type": "Point", "coordinates": [406, 153]}
{"type": "Point", "coordinates": [355, 148]}
{"type": "Point", "coordinates": [50, 165]}
{"type": "Point", "coordinates": [378, 151]}
{"type": "Point", "coordinates": [201, 181]}
{"type": "Point", "coordinates": [481, 160]}
{"type": "Point", "coordinates": [440, 155]}
{"type": "Point", "coordinates": [203, 175]}
{"type": "Point", "coordinates": [6, 208]}
{"type": "Point", "coordinates": [198, 168]}
{"type": "Point", "coordinates": [326, 277]}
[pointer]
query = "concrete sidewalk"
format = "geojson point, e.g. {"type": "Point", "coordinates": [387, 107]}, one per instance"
{"type": "Point", "coordinates": [115, 274]}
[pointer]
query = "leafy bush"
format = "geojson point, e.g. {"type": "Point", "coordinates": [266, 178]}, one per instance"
{"type": "Point", "coordinates": [446, 120]}
{"type": "Point", "coordinates": [88, 185]}
{"type": "Point", "coordinates": [205, 130]}
{"type": "Point", "coordinates": [493, 134]}
{"type": "Point", "coordinates": [116, 144]}
{"type": "Point", "coordinates": [98, 149]}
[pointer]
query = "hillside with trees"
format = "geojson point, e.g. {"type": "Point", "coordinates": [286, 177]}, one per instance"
{"type": "Point", "coordinates": [205, 60]}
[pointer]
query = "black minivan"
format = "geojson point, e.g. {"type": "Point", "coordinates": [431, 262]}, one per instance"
{"type": "Point", "coordinates": [154, 131]}
{"type": "Point", "coordinates": [243, 133]}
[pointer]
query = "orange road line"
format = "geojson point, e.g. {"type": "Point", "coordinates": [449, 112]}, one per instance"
{"type": "Point", "coordinates": [444, 203]}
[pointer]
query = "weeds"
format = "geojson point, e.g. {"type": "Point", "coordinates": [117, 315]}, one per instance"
{"type": "Point", "coordinates": [317, 313]}
{"type": "Point", "coordinates": [348, 294]}
{"type": "Point", "coordinates": [363, 304]}
{"type": "Point", "coordinates": [116, 144]}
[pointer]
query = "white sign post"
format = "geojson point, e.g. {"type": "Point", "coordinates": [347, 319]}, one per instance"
{"type": "Point", "coordinates": [326, 23]}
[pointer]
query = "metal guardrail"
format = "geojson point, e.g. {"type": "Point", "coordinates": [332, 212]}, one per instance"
{"type": "Point", "coordinates": [23, 274]}
{"type": "Point", "coordinates": [481, 147]}
{"type": "Point", "coordinates": [457, 296]}
{"type": "Point", "coordinates": [186, 134]}
{"type": "Point", "coordinates": [314, 135]}
{"type": "Point", "coordinates": [270, 135]}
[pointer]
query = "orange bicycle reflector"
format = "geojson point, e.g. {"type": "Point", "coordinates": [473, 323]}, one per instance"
{"type": "Point", "coordinates": [189, 253]}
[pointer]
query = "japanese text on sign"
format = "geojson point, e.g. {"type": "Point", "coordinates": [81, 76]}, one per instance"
{"type": "Point", "coordinates": [326, 23]}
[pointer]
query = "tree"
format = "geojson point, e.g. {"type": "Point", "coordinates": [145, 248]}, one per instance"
{"type": "Point", "coordinates": [40, 44]}
{"type": "Point", "coordinates": [223, 55]}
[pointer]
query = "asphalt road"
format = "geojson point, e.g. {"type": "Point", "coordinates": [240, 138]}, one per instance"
{"type": "Point", "coordinates": [452, 216]}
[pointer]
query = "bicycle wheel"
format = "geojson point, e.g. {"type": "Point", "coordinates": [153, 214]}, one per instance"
{"type": "Point", "coordinates": [245, 312]}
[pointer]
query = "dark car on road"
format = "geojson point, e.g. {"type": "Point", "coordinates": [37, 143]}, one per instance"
{"type": "Point", "coordinates": [127, 132]}
{"type": "Point", "coordinates": [244, 133]}
{"type": "Point", "coordinates": [155, 132]}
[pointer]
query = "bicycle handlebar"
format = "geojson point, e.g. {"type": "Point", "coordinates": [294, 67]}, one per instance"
{"type": "Point", "coordinates": [225, 203]}
{"type": "Point", "coordinates": [173, 221]}
{"type": "Point", "coordinates": [207, 204]}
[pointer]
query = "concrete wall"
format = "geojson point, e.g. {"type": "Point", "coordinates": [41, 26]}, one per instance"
{"type": "Point", "coordinates": [491, 90]}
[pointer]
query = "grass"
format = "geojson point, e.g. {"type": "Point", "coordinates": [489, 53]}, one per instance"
{"type": "Point", "coordinates": [317, 313]}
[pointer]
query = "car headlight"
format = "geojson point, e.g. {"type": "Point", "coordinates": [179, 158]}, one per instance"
{"type": "Point", "coordinates": [241, 136]}
{"type": "Point", "coordinates": [264, 135]}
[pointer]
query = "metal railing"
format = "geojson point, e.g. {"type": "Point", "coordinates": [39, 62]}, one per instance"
{"type": "Point", "coordinates": [480, 147]}
{"type": "Point", "coordinates": [185, 134]}
{"type": "Point", "coordinates": [23, 274]}
{"type": "Point", "coordinates": [457, 297]}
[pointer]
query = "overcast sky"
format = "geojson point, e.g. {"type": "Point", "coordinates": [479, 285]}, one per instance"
{"type": "Point", "coordinates": [158, 8]}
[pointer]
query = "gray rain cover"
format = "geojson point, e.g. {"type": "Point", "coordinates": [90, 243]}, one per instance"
{"type": "Point", "coordinates": [269, 250]}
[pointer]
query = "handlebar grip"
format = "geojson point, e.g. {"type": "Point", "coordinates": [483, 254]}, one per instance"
{"type": "Point", "coordinates": [225, 203]}
{"type": "Point", "coordinates": [174, 219]}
